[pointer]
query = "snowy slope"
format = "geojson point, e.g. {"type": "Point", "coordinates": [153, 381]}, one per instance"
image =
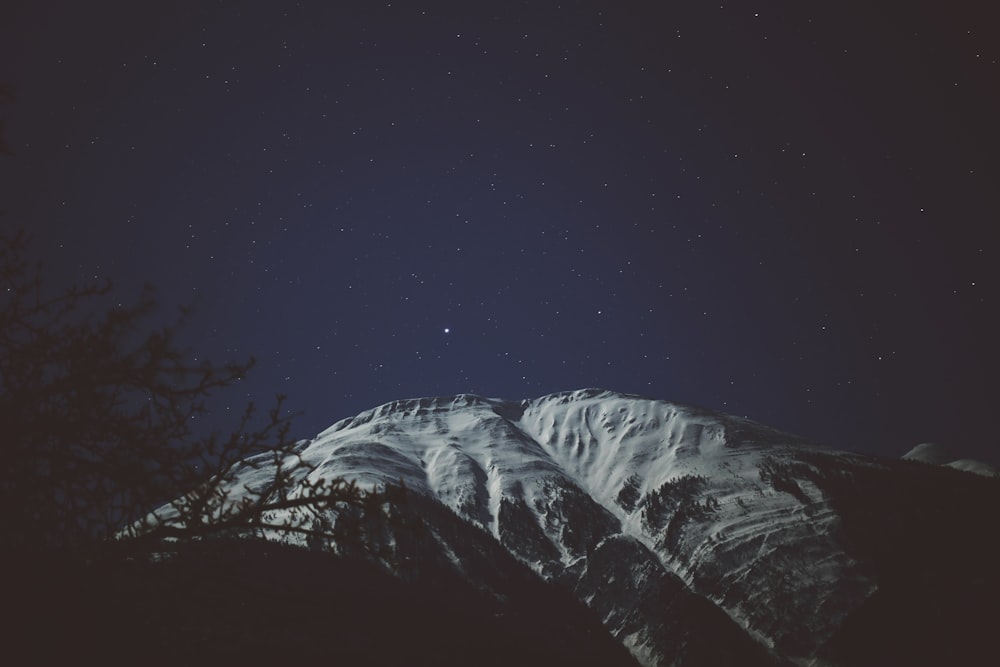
{"type": "Point", "coordinates": [936, 455]}
{"type": "Point", "coordinates": [697, 537]}
{"type": "Point", "coordinates": [562, 480]}
{"type": "Point", "coordinates": [974, 466]}
{"type": "Point", "coordinates": [689, 532]}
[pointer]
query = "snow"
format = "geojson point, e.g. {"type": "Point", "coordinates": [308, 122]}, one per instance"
{"type": "Point", "coordinates": [566, 458]}
{"type": "Point", "coordinates": [928, 452]}
{"type": "Point", "coordinates": [934, 454]}
{"type": "Point", "coordinates": [977, 467]}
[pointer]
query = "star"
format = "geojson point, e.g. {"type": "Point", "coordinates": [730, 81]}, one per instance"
{"type": "Point", "coordinates": [548, 271]}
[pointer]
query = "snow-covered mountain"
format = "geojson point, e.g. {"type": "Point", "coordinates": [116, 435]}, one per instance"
{"type": "Point", "coordinates": [928, 452]}
{"type": "Point", "coordinates": [697, 537]}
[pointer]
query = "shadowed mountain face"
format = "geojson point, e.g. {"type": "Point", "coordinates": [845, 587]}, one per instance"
{"type": "Point", "coordinates": [695, 537]}
{"type": "Point", "coordinates": [250, 602]}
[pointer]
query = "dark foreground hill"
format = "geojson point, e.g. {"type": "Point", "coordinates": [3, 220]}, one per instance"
{"type": "Point", "coordinates": [252, 603]}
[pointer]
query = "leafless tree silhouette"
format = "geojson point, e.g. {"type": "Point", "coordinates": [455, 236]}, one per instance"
{"type": "Point", "coordinates": [99, 410]}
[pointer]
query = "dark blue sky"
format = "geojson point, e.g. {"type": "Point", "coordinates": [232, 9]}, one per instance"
{"type": "Point", "coordinates": [783, 210]}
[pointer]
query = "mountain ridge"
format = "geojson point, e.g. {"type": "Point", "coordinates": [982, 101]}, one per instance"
{"type": "Point", "coordinates": [616, 496]}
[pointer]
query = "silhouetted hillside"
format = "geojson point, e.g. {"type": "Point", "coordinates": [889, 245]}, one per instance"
{"type": "Point", "coordinates": [251, 602]}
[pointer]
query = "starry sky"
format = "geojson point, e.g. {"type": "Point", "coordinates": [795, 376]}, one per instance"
{"type": "Point", "coordinates": [781, 210]}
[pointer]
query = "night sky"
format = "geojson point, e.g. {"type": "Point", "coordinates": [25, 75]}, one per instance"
{"type": "Point", "coordinates": [781, 210]}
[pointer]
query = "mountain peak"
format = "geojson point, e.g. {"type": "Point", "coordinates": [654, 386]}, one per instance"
{"type": "Point", "coordinates": [929, 452]}
{"type": "Point", "coordinates": [559, 478]}
{"type": "Point", "coordinates": [934, 454]}
{"type": "Point", "coordinates": [653, 513]}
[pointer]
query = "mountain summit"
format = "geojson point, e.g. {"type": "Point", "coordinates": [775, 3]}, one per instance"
{"type": "Point", "coordinates": [928, 452]}
{"type": "Point", "coordinates": [697, 537]}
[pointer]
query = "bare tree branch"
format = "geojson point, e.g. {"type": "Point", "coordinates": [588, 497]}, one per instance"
{"type": "Point", "coordinates": [97, 412]}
